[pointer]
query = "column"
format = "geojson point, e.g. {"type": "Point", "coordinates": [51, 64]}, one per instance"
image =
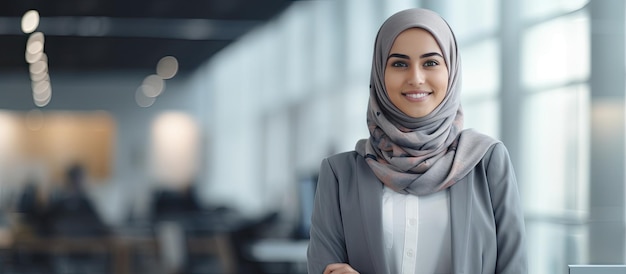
{"type": "Point", "coordinates": [606, 185]}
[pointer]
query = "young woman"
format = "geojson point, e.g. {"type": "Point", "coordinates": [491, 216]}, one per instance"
{"type": "Point", "coordinates": [420, 195]}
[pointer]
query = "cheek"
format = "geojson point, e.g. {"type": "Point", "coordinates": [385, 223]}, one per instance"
{"type": "Point", "coordinates": [392, 82]}
{"type": "Point", "coordinates": [441, 81]}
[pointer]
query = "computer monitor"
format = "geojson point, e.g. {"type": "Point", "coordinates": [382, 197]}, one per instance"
{"type": "Point", "coordinates": [306, 191]}
{"type": "Point", "coordinates": [597, 269]}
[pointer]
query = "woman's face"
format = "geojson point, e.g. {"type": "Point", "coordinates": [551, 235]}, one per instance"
{"type": "Point", "coordinates": [416, 75]}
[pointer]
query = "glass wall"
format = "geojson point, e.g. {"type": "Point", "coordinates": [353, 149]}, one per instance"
{"type": "Point", "coordinates": [555, 64]}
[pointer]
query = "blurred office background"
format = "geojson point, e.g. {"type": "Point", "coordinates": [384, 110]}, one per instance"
{"type": "Point", "coordinates": [223, 110]}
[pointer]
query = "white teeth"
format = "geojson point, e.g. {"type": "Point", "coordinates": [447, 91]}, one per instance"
{"type": "Point", "coordinates": [416, 95]}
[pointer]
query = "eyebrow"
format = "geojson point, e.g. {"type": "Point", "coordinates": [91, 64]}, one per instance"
{"type": "Point", "coordinates": [403, 56]}
{"type": "Point", "coordinates": [426, 55]}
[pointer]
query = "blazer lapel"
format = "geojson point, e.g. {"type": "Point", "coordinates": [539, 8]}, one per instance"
{"type": "Point", "coordinates": [460, 214]}
{"type": "Point", "coordinates": [370, 198]}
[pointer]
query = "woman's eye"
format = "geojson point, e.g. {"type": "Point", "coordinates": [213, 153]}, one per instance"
{"type": "Point", "coordinates": [431, 63]}
{"type": "Point", "coordinates": [399, 64]}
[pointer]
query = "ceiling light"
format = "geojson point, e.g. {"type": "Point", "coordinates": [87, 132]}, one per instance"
{"type": "Point", "coordinates": [34, 47]}
{"type": "Point", "coordinates": [30, 21]}
{"type": "Point", "coordinates": [41, 100]}
{"type": "Point", "coordinates": [155, 84]}
{"type": "Point", "coordinates": [41, 90]}
{"type": "Point", "coordinates": [167, 67]}
{"type": "Point", "coordinates": [143, 100]}
{"type": "Point", "coordinates": [38, 67]}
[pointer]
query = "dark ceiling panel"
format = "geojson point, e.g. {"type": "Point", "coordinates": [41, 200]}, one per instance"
{"type": "Point", "coordinates": [213, 9]}
{"type": "Point", "coordinates": [102, 35]}
{"type": "Point", "coordinates": [12, 52]}
{"type": "Point", "coordinates": [110, 53]}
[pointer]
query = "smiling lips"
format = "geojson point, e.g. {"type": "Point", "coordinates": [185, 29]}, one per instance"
{"type": "Point", "coordinates": [417, 96]}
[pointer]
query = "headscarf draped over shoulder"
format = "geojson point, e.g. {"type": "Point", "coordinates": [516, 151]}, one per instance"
{"type": "Point", "coordinates": [423, 155]}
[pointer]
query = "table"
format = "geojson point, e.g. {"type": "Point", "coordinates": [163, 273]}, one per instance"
{"type": "Point", "coordinates": [121, 248]}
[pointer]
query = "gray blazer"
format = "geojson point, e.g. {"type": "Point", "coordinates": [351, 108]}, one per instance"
{"type": "Point", "coordinates": [488, 234]}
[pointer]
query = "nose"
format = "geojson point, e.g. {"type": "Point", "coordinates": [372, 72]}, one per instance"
{"type": "Point", "coordinates": [416, 76]}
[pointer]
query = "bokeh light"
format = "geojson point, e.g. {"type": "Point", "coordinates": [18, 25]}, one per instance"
{"type": "Point", "coordinates": [39, 67]}
{"type": "Point", "coordinates": [142, 100]}
{"type": "Point", "coordinates": [40, 88]}
{"type": "Point", "coordinates": [30, 21]}
{"type": "Point", "coordinates": [43, 99]}
{"type": "Point", "coordinates": [167, 67]}
{"type": "Point", "coordinates": [34, 47]}
{"type": "Point", "coordinates": [153, 85]}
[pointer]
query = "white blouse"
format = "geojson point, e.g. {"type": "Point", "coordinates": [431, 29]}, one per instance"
{"type": "Point", "coordinates": [416, 230]}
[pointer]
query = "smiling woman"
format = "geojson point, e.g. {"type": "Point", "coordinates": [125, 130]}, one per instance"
{"type": "Point", "coordinates": [421, 190]}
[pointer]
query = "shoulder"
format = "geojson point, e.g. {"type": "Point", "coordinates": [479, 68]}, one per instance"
{"type": "Point", "coordinates": [476, 136]}
{"type": "Point", "coordinates": [343, 157]}
{"type": "Point", "coordinates": [345, 167]}
{"type": "Point", "coordinates": [497, 156]}
{"type": "Point", "coordinates": [494, 147]}
{"type": "Point", "coordinates": [341, 162]}
{"type": "Point", "coordinates": [497, 167]}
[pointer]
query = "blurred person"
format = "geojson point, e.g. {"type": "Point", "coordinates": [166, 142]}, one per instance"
{"type": "Point", "coordinates": [72, 212]}
{"type": "Point", "coordinates": [421, 194]}
{"type": "Point", "coordinates": [33, 205]}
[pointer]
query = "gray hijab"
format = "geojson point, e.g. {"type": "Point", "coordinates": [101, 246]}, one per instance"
{"type": "Point", "coordinates": [423, 155]}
